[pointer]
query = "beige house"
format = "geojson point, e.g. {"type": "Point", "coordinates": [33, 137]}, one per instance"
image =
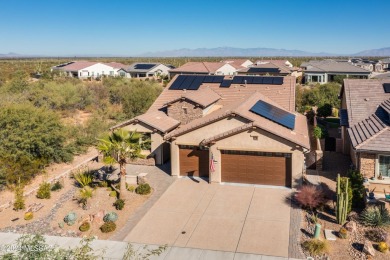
{"type": "Point", "coordinates": [364, 118]}
{"type": "Point", "coordinates": [205, 68]}
{"type": "Point", "coordinates": [241, 129]}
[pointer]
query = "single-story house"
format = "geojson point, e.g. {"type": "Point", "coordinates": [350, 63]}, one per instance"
{"type": "Point", "coordinates": [365, 126]}
{"type": "Point", "coordinates": [239, 129]}
{"type": "Point", "coordinates": [205, 68]}
{"type": "Point", "coordinates": [144, 69]}
{"type": "Point", "coordinates": [239, 63]}
{"type": "Point", "coordinates": [89, 69]}
{"type": "Point", "coordinates": [324, 71]}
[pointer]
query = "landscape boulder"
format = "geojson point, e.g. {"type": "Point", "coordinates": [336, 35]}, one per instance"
{"type": "Point", "coordinates": [98, 217]}
{"type": "Point", "coordinates": [351, 226]}
{"type": "Point", "coordinates": [368, 248]}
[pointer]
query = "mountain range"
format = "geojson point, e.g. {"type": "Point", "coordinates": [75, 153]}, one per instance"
{"type": "Point", "coordinates": [231, 52]}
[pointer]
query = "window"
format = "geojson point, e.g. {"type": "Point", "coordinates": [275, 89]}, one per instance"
{"type": "Point", "coordinates": [112, 73]}
{"type": "Point", "coordinates": [384, 165]}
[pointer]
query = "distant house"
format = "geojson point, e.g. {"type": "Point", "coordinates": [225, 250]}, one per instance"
{"type": "Point", "coordinates": [272, 68]}
{"type": "Point", "coordinates": [205, 68]}
{"type": "Point", "coordinates": [144, 69]}
{"type": "Point", "coordinates": [385, 63]}
{"type": "Point", "coordinates": [89, 69]}
{"type": "Point", "coordinates": [371, 65]}
{"type": "Point", "coordinates": [239, 63]}
{"type": "Point", "coordinates": [365, 127]}
{"type": "Point", "coordinates": [324, 71]}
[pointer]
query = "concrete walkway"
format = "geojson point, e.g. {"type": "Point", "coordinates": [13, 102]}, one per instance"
{"type": "Point", "coordinates": [234, 219]}
{"type": "Point", "coordinates": [115, 250]}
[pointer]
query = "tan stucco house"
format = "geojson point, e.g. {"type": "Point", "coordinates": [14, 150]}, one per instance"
{"type": "Point", "coordinates": [365, 126]}
{"type": "Point", "coordinates": [240, 129]}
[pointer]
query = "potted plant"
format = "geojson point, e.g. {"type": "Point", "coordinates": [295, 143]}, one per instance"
{"type": "Point", "coordinates": [380, 177]}
{"type": "Point", "coordinates": [371, 194]}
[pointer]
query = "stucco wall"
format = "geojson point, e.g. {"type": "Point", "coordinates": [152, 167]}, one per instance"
{"type": "Point", "coordinates": [226, 69]}
{"type": "Point", "coordinates": [98, 69]}
{"type": "Point", "coordinates": [184, 111]}
{"type": "Point", "coordinates": [367, 164]}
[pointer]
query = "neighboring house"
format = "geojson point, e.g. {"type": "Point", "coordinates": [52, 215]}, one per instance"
{"type": "Point", "coordinates": [272, 67]}
{"type": "Point", "coordinates": [326, 70]}
{"type": "Point", "coordinates": [385, 63]}
{"type": "Point", "coordinates": [241, 129]}
{"type": "Point", "coordinates": [371, 65]}
{"type": "Point", "coordinates": [365, 126]}
{"type": "Point", "coordinates": [239, 63]}
{"type": "Point", "coordinates": [385, 75]}
{"type": "Point", "coordinates": [205, 68]}
{"type": "Point", "coordinates": [143, 69]}
{"type": "Point", "coordinates": [89, 69]}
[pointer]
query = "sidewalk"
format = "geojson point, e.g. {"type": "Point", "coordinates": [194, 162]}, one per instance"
{"type": "Point", "coordinates": [115, 249]}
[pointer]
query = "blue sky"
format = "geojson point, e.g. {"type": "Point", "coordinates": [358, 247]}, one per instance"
{"type": "Point", "coordinates": [133, 27]}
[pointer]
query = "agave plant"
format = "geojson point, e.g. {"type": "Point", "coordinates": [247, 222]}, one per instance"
{"type": "Point", "coordinates": [375, 217]}
{"type": "Point", "coordinates": [83, 178]}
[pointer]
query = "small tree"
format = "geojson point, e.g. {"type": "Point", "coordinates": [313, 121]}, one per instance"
{"type": "Point", "coordinates": [317, 132]}
{"type": "Point", "coordinates": [325, 110]}
{"type": "Point", "coordinates": [358, 189]}
{"type": "Point", "coordinates": [19, 198]}
{"type": "Point", "coordinates": [44, 191]}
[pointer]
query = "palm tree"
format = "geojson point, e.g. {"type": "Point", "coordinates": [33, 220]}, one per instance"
{"type": "Point", "coordinates": [120, 146]}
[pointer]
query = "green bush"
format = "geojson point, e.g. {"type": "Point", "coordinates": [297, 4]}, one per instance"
{"type": "Point", "coordinates": [358, 189]}
{"type": "Point", "coordinates": [28, 215]}
{"type": "Point", "coordinates": [130, 188]}
{"type": "Point", "coordinates": [112, 193]}
{"type": "Point", "coordinates": [85, 227]}
{"type": "Point", "coordinates": [343, 183]}
{"type": "Point", "coordinates": [44, 191]}
{"type": "Point", "coordinates": [119, 204]}
{"type": "Point", "coordinates": [315, 246]}
{"type": "Point", "coordinates": [83, 178]}
{"type": "Point", "coordinates": [56, 186]}
{"type": "Point", "coordinates": [143, 189]}
{"type": "Point", "coordinates": [19, 199]}
{"type": "Point", "coordinates": [375, 217]}
{"type": "Point", "coordinates": [325, 110]}
{"type": "Point", "coordinates": [318, 132]}
{"type": "Point", "coordinates": [103, 184]}
{"type": "Point", "coordinates": [108, 227]}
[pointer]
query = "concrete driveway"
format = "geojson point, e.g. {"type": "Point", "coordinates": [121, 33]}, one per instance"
{"type": "Point", "coordinates": [243, 219]}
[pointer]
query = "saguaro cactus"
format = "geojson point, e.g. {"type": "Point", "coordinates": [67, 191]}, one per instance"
{"type": "Point", "coordinates": [342, 202]}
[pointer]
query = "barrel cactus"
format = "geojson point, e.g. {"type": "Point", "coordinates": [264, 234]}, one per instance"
{"type": "Point", "coordinates": [28, 215]}
{"type": "Point", "coordinates": [70, 219]}
{"type": "Point", "coordinates": [111, 216]}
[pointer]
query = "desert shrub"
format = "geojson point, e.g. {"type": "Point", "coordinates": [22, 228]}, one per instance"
{"type": "Point", "coordinates": [70, 218]}
{"type": "Point", "coordinates": [376, 235]}
{"type": "Point", "coordinates": [310, 197]}
{"type": "Point", "coordinates": [85, 227]}
{"type": "Point", "coordinates": [28, 215]}
{"type": "Point", "coordinates": [343, 183]}
{"type": "Point", "coordinates": [383, 247]}
{"type": "Point", "coordinates": [86, 192]}
{"type": "Point", "coordinates": [61, 225]}
{"type": "Point", "coordinates": [19, 199]}
{"type": "Point", "coordinates": [358, 189]}
{"type": "Point", "coordinates": [108, 227]}
{"type": "Point", "coordinates": [319, 132]}
{"type": "Point", "coordinates": [325, 110]}
{"type": "Point", "coordinates": [343, 233]}
{"type": "Point", "coordinates": [130, 188]}
{"type": "Point", "coordinates": [83, 178]}
{"type": "Point", "coordinates": [44, 191]}
{"type": "Point", "coordinates": [56, 186]}
{"type": "Point", "coordinates": [143, 189]}
{"type": "Point", "coordinates": [103, 184]}
{"type": "Point", "coordinates": [119, 204]}
{"type": "Point", "coordinates": [111, 216]}
{"type": "Point", "coordinates": [375, 217]}
{"type": "Point", "coordinates": [112, 193]}
{"type": "Point", "coordinates": [315, 246]}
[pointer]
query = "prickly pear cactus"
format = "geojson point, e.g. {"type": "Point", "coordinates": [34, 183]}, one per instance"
{"type": "Point", "coordinates": [70, 219]}
{"type": "Point", "coordinates": [111, 216]}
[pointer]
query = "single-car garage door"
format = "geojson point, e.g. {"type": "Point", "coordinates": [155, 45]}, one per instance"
{"type": "Point", "coordinates": [193, 161]}
{"type": "Point", "coordinates": [256, 167]}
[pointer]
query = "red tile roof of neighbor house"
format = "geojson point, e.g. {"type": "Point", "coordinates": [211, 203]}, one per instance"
{"type": "Point", "coordinates": [78, 65]}
{"type": "Point", "coordinates": [237, 63]}
{"type": "Point", "coordinates": [200, 67]}
{"type": "Point", "coordinates": [116, 65]}
{"type": "Point", "coordinates": [203, 97]}
{"type": "Point", "coordinates": [368, 109]}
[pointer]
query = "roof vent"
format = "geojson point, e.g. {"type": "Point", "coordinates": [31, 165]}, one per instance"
{"type": "Point", "coordinates": [366, 99]}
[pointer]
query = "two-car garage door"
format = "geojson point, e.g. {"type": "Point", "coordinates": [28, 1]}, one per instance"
{"type": "Point", "coordinates": [256, 168]}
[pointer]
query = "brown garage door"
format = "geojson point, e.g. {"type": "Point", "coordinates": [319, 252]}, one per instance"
{"type": "Point", "coordinates": [194, 161]}
{"type": "Point", "coordinates": [256, 168]}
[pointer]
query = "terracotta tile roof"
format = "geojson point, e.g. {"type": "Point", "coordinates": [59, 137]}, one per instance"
{"type": "Point", "coordinates": [237, 63]}
{"type": "Point", "coordinates": [386, 105]}
{"type": "Point", "coordinates": [78, 65]}
{"type": "Point", "coordinates": [116, 65]}
{"type": "Point", "coordinates": [298, 135]}
{"type": "Point", "coordinates": [283, 94]}
{"type": "Point", "coordinates": [333, 66]}
{"type": "Point", "coordinates": [199, 67]}
{"type": "Point", "coordinates": [156, 119]}
{"type": "Point", "coordinates": [203, 97]}
{"type": "Point", "coordinates": [379, 142]}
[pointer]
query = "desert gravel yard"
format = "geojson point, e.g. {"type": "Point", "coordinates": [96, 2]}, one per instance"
{"type": "Point", "coordinates": [194, 214]}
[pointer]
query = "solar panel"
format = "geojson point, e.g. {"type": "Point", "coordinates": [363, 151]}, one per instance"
{"type": "Point", "coordinates": [237, 80]}
{"type": "Point", "coordinates": [274, 114]}
{"type": "Point", "coordinates": [263, 70]}
{"type": "Point", "coordinates": [208, 79]}
{"type": "Point", "coordinates": [176, 84]}
{"type": "Point", "coordinates": [277, 81]}
{"type": "Point", "coordinates": [386, 87]}
{"type": "Point", "coordinates": [187, 82]}
{"type": "Point", "coordinates": [226, 83]}
{"type": "Point", "coordinates": [257, 80]}
{"type": "Point", "coordinates": [196, 83]}
{"type": "Point", "coordinates": [249, 80]}
{"type": "Point", "coordinates": [144, 66]}
{"type": "Point", "coordinates": [218, 79]}
{"type": "Point", "coordinates": [268, 80]}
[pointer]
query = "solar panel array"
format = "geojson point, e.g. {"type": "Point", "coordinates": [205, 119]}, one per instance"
{"type": "Point", "coordinates": [141, 66]}
{"type": "Point", "coordinates": [263, 70]}
{"type": "Point", "coordinates": [386, 87]}
{"type": "Point", "coordinates": [193, 82]}
{"type": "Point", "coordinates": [274, 114]}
